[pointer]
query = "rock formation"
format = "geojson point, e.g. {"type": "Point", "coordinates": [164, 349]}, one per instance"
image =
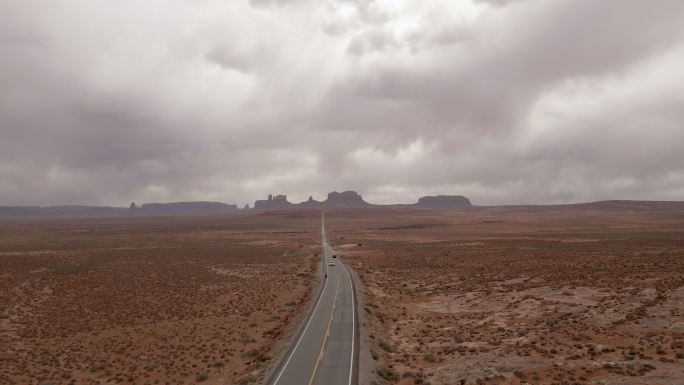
{"type": "Point", "coordinates": [310, 203]}
{"type": "Point", "coordinates": [273, 203]}
{"type": "Point", "coordinates": [443, 202]}
{"type": "Point", "coordinates": [346, 199]}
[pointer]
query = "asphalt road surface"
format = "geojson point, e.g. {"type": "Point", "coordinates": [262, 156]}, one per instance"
{"type": "Point", "coordinates": [325, 352]}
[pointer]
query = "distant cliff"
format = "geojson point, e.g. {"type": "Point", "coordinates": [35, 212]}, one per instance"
{"type": "Point", "coordinates": [346, 199]}
{"type": "Point", "coordinates": [103, 211]}
{"type": "Point", "coordinates": [310, 203]}
{"type": "Point", "coordinates": [443, 202]}
{"type": "Point", "coordinates": [184, 207]}
{"type": "Point", "coordinates": [335, 200]}
{"type": "Point", "coordinates": [273, 203]}
{"type": "Point", "coordinates": [352, 200]}
{"type": "Point", "coordinates": [66, 211]}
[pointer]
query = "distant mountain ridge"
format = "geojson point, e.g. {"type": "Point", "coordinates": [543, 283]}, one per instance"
{"type": "Point", "coordinates": [185, 207]}
{"type": "Point", "coordinates": [105, 211]}
{"type": "Point", "coordinates": [444, 201]}
{"type": "Point", "coordinates": [334, 200]}
{"type": "Point", "coordinates": [273, 203]}
{"type": "Point", "coordinates": [64, 210]}
{"type": "Point", "coordinates": [345, 199]}
{"type": "Point", "coordinates": [350, 199]}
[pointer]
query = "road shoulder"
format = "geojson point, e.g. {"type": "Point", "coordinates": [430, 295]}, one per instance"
{"type": "Point", "coordinates": [296, 328]}
{"type": "Point", "coordinates": [366, 363]}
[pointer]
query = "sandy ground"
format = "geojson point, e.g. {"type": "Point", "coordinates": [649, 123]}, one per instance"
{"type": "Point", "coordinates": [151, 300]}
{"type": "Point", "coordinates": [497, 296]}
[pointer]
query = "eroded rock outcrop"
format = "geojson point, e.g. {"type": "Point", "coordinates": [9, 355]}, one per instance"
{"type": "Point", "coordinates": [346, 199]}
{"type": "Point", "coordinates": [310, 203]}
{"type": "Point", "coordinates": [444, 202]}
{"type": "Point", "coordinates": [273, 203]}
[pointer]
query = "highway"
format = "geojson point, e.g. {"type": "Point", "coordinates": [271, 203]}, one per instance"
{"type": "Point", "coordinates": [325, 351]}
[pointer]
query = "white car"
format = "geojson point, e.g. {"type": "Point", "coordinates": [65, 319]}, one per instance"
{"type": "Point", "coordinates": [331, 263]}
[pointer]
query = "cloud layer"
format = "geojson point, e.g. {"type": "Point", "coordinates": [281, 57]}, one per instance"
{"type": "Point", "coordinates": [517, 101]}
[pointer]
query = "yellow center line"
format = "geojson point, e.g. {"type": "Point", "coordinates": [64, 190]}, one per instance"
{"type": "Point", "coordinates": [327, 333]}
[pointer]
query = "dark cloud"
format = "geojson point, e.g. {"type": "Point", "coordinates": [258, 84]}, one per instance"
{"type": "Point", "coordinates": [504, 101]}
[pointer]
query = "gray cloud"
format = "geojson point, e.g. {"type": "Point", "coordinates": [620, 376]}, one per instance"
{"type": "Point", "coordinates": [506, 102]}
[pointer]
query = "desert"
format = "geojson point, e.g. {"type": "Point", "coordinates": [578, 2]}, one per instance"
{"type": "Point", "coordinates": [342, 192]}
{"type": "Point", "coordinates": [456, 294]}
{"type": "Point", "coordinates": [151, 300]}
{"type": "Point", "coordinates": [587, 294]}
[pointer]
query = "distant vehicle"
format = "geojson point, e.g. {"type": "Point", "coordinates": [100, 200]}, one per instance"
{"type": "Point", "coordinates": [331, 263]}
{"type": "Point", "coordinates": [334, 255]}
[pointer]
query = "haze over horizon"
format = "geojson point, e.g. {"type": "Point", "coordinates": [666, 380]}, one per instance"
{"type": "Point", "coordinates": [505, 102]}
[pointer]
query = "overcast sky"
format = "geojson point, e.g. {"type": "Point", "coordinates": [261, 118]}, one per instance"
{"type": "Point", "coordinates": [527, 101]}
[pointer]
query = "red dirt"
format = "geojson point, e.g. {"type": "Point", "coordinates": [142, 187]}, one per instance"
{"type": "Point", "coordinates": [511, 296]}
{"type": "Point", "coordinates": [151, 300]}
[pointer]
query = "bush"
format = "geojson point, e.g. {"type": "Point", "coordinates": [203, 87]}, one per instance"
{"type": "Point", "coordinates": [388, 374]}
{"type": "Point", "coordinates": [202, 376]}
{"type": "Point", "coordinates": [262, 357]}
{"type": "Point", "coordinates": [246, 340]}
{"type": "Point", "coordinates": [98, 366]}
{"type": "Point", "coordinates": [250, 353]}
{"type": "Point", "coordinates": [385, 346]}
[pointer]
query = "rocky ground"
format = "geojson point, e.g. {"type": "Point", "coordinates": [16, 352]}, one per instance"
{"type": "Point", "coordinates": [516, 296]}
{"type": "Point", "coordinates": [151, 300]}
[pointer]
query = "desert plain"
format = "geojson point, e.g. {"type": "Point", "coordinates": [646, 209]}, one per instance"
{"type": "Point", "coordinates": [159, 300]}
{"type": "Point", "coordinates": [586, 294]}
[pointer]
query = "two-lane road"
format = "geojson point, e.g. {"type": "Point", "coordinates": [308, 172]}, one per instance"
{"type": "Point", "coordinates": [325, 350]}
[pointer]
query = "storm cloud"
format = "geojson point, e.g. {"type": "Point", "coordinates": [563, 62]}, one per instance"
{"type": "Point", "coordinates": [516, 101]}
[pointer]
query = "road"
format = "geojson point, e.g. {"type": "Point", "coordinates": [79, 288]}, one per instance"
{"type": "Point", "coordinates": [325, 352]}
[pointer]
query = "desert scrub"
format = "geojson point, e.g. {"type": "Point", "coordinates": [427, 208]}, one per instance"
{"type": "Point", "coordinates": [251, 353]}
{"type": "Point", "coordinates": [385, 346]}
{"type": "Point", "coordinates": [246, 340]}
{"type": "Point", "coordinates": [388, 374]}
{"type": "Point", "coordinates": [246, 380]}
{"type": "Point", "coordinates": [150, 366]}
{"type": "Point", "coordinates": [201, 376]}
{"type": "Point", "coordinates": [429, 357]}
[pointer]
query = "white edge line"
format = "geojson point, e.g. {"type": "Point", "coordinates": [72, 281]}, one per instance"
{"type": "Point", "coordinates": [325, 286]}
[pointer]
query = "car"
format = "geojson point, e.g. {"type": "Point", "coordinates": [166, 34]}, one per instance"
{"type": "Point", "coordinates": [331, 263]}
{"type": "Point", "coordinates": [334, 255]}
